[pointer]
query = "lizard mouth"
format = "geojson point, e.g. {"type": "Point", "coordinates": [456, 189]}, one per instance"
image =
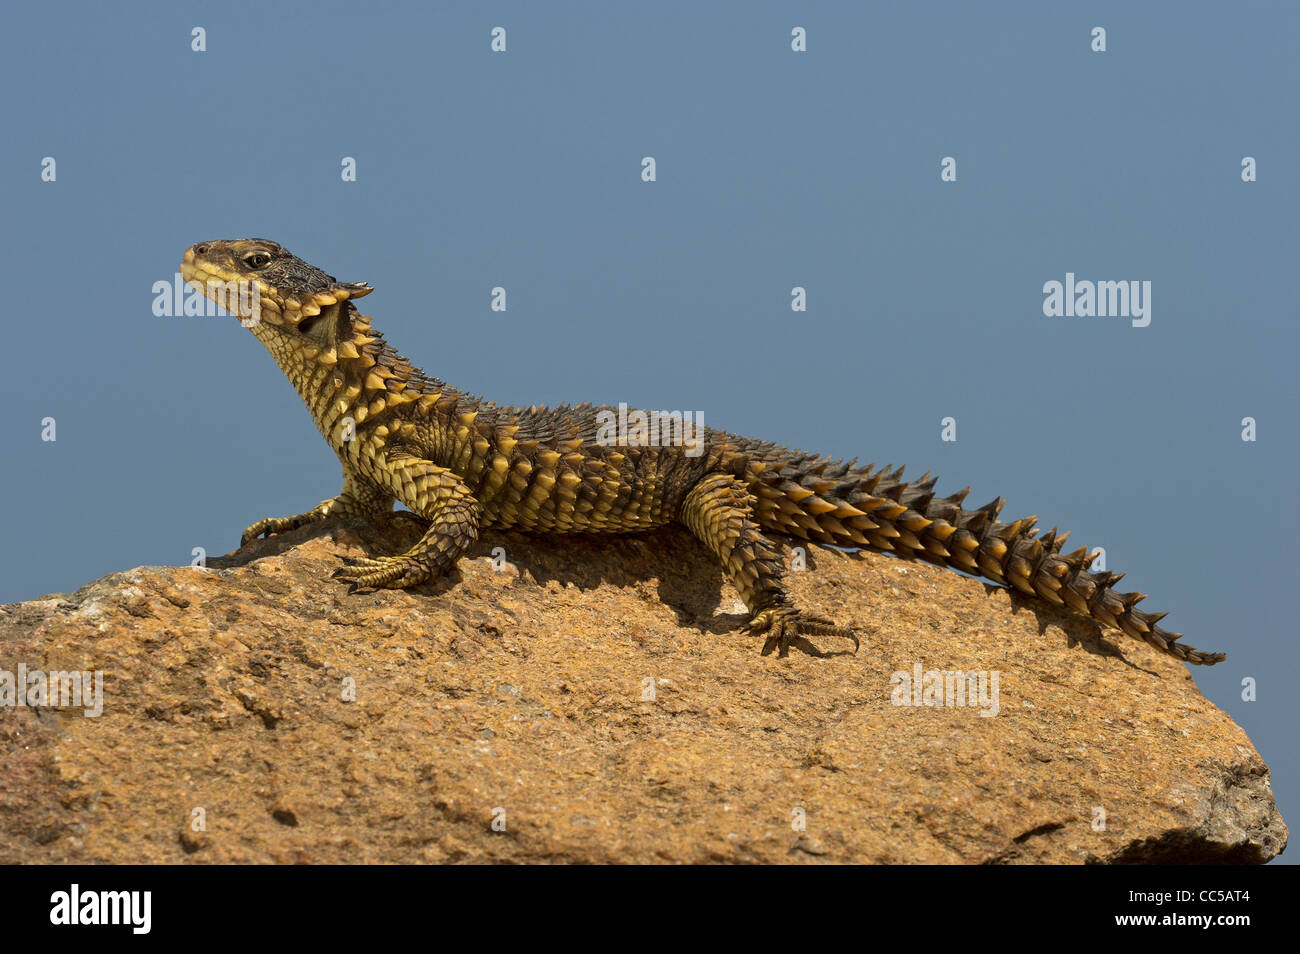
{"type": "Point", "coordinates": [252, 299]}
{"type": "Point", "coordinates": [238, 295]}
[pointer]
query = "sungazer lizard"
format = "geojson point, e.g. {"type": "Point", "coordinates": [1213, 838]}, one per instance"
{"type": "Point", "coordinates": [463, 463]}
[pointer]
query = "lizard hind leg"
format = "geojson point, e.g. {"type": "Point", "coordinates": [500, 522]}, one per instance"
{"type": "Point", "coordinates": [719, 510]}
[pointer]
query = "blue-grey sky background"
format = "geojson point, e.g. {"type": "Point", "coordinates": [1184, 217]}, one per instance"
{"type": "Point", "coordinates": [775, 169]}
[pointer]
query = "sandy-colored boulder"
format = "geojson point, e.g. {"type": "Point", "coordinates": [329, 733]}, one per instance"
{"type": "Point", "coordinates": [595, 700]}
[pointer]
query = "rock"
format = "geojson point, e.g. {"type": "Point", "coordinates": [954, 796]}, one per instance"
{"type": "Point", "coordinates": [594, 700]}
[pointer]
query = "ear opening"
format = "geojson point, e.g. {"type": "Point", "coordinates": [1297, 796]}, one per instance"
{"type": "Point", "coordinates": [320, 325]}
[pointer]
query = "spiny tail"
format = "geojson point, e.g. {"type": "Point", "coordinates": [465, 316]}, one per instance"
{"type": "Point", "coordinates": [844, 505]}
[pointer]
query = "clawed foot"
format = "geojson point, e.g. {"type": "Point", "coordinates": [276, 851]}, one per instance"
{"type": "Point", "coordinates": [393, 572]}
{"type": "Point", "coordinates": [269, 527]}
{"type": "Point", "coordinates": [783, 625]}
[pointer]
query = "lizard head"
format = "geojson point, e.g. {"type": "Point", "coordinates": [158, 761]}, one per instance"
{"type": "Point", "coordinates": [260, 281]}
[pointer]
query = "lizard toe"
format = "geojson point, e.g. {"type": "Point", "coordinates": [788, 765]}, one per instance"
{"type": "Point", "coordinates": [269, 528]}
{"type": "Point", "coordinates": [256, 530]}
{"type": "Point", "coordinates": [369, 563]}
{"type": "Point", "coordinates": [394, 572]}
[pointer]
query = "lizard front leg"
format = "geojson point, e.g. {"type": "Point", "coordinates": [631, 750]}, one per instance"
{"type": "Point", "coordinates": [438, 495]}
{"type": "Point", "coordinates": [719, 511]}
{"type": "Point", "coordinates": [359, 498]}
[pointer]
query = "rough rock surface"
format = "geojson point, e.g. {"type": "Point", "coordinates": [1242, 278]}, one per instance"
{"type": "Point", "coordinates": [596, 699]}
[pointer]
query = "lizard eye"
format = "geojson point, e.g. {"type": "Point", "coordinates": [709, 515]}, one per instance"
{"type": "Point", "coordinates": [257, 259]}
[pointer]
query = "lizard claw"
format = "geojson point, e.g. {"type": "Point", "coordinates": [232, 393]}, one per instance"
{"type": "Point", "coordinates": [393, 572]}
{"type": "Point", "coordinates": [273, 525]}
{"type": "Point", "coordinates": [269, 526]}
{"type": "Point", "coordinates": [783, 625]}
